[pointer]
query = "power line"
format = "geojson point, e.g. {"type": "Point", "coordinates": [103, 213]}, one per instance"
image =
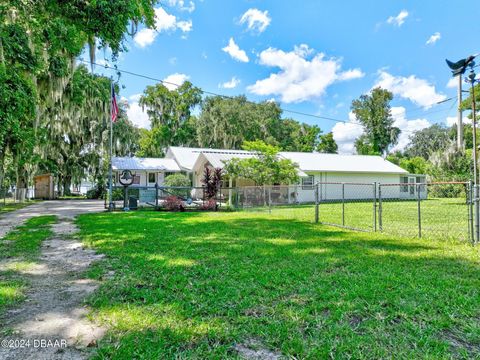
{"type": "Point", "coordinates": [116, 69]}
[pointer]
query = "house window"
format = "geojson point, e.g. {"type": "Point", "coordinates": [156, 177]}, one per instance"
{"type": "Point", "coordinates": [404, 188]}
{"type": "Point", "coordinates": [136, 179]}
{"type": "Point", "coordinates": [151, 177]}
{"type": "Point", "coordinates": [307, 182]}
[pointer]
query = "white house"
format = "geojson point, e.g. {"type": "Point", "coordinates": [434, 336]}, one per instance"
{"type": "Point", "coordinates": [349, 176]}
{"type": "Point", "coordinates": [357, 172]}
{"type": "Point", "coordinates": [146, 171]}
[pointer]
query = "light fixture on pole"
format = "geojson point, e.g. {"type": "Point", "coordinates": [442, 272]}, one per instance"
{"type": "Point", "coordinates": [458, 69]}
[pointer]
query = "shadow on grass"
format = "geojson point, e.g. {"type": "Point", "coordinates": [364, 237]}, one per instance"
{"type": "Point", "coordinates": [210, 280]}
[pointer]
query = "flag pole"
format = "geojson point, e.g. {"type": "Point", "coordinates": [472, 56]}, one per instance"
{"type": "Point", "coordinates": [110, 187]}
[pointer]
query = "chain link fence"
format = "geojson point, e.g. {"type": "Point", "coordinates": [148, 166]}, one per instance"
{"type": "Point", "coordinates": [426, 210]}
{"type": "Point", "coordinates": [172, 198]}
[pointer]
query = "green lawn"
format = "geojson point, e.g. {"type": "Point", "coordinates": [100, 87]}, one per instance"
{"type": "Point", "coordinates": [192, 285]}
{"type": "Point", "coordinates": [18, 250]}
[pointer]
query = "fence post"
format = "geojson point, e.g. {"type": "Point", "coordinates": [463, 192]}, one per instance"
{"type": "Point", "coordinates": [477, 214]}
{"type": "Point", "coordinates": [470, 212]}
{"type": "Point", "coordinates": [270, 199]}
{"type": "Point", "coordinates": [375, 206]}
{"type": "Point", "coordinates": [419, 212]}
{"type": "Point", "coordinates": [316, 204]}
{"type": "Point", "coordinates": [343, 204]}
{"type": "Point", "coordinates": [380, 210]}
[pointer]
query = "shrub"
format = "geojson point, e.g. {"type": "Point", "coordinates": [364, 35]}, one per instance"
{"type": "Point", "coordinates": [173, 203]}
{"type": "Point", "coordinates": [210, 204]}
{"type": "Point", "coordinates": [95, 193]}
{"type": "Point", "coordinates": [180, 180]}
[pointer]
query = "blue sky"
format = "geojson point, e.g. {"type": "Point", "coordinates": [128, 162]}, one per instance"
{"type": "Point", "coordinates": [310, 56]}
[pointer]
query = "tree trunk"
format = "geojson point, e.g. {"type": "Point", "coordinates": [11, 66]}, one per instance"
{"type": "Point", "coordinates": [67, 181]}
{"type": "Point", "coordinates": [21, 185]}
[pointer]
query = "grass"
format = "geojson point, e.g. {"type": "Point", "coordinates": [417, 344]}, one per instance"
{"type": "Point", "coordinates": [192, 285]}
{"type": "Point", "coordinates": [12, 206]}
{"type": "Point", "coordinates": [18, 250]}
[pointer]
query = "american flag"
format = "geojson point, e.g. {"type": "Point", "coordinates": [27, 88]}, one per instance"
{"type": "Point", "coordinates": [114, 106]}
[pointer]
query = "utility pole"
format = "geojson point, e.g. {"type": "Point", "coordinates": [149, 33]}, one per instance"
{"type": "Point", "coordinates": [460, 143]}
{"type": "Point", "coordinates": [458, 69]}
{"type": "Point", "coordinates": [471, 79]}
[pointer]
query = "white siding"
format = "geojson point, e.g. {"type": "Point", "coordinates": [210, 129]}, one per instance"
{"type": "Point", "coordinates": [330, 191]}
{"type": "Point", "coordinates": [159, 176]}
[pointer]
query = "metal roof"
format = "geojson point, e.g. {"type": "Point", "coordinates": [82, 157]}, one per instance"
{"type": "Point", "coordinates": [217, 160]}
{"type": "Point", "coordinates": [135, 163]}
{"type": "Point", "coordinates": [343, 163]}
{"type": "Point", "coordinates": [186, 157]}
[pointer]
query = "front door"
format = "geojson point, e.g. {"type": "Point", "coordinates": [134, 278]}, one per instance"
{"type": "Point", "coordinates": [152, 179]}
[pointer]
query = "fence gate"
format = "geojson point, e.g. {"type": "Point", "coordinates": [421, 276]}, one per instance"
{"type": "Point", "coordinates": [441, 210]}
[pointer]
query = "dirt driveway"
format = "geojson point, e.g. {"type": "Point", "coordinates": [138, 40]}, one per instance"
{"type": "Point", "coordinates": [61, 208]}
{"type": "Point", "coordinates": [53, 311]}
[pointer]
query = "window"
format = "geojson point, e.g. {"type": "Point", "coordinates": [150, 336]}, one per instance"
{"type": "Point", "coordinates": [404, 188]}
{"type": "Point", "coordinates": [151, 177]}
{"type": "Point", "coordinates": [136, 179]}
{"type": "Point", "coordinates": [307, 182]}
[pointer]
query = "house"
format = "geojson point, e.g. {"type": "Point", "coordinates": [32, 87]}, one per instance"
{"type": "Point", "coordinates": [339, 176]}
{"type": "Point", "coordinates": [146, 171]}
{"type": "Point", "coordinates": [357, 171]}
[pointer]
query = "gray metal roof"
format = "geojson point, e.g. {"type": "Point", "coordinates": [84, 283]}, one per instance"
{"type": "Point", "coordinates": [343, 163]}
{"type": "Point", "coordinates": [152, 164]}
{"type": "Point", "coordinates": [186, 157]}
{"type": "Point", "coordinates": [218, 159]}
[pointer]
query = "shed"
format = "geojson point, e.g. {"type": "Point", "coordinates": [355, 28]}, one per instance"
{"type": "Point", "coordinates": [44, 187]}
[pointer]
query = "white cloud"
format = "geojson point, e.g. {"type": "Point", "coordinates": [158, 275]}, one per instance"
{"type": "Point", "coordinates": [417, 90]}
{"type": "Point", "coordinates": [136, 114]}
{"type": "Point", "coordinates": [256, 20]}
{"type": "Point", "coordinates": [185, 26]}
{"type": "Point", "coordinates": [434, 38]}
{"type": "Point", "coordinates": [452, 83]}
{"type": "Point", "coordinates": [233, 83]}
{"type": "Point", "coordinates": [163, 22]}
{"type": "Point", "coordinates": [346, 133]}
{"type": "Point", "coordinates": [408, 127]}
{"type": "Point", "coordinates": [182, 5]}
{"type": "Point", "coordinates": [452, 120]}
{"type": "Point", "coordinates": [145, 37]}
{"type": "Point", "coordinates": [173, 81]}
{"type": "Point", "coordinates": [300, 78]}
{"type": "Point", "coordinates": [235, 52]}
{"type": "Point", "coordinates": [399, 19]}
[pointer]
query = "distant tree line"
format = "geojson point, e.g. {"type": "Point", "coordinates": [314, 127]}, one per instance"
{"type": "Point", "coordinates": [221, 122]}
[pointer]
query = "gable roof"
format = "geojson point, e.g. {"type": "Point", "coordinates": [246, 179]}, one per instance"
{"type": "Point", "coordinates": [218, 159]}
{"type": "Point", "coordinates": [186, 157]}
{"type": "Point", "coordinates": [342, 163]}
{"type": "Point", "coordinates": [135, 163]}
